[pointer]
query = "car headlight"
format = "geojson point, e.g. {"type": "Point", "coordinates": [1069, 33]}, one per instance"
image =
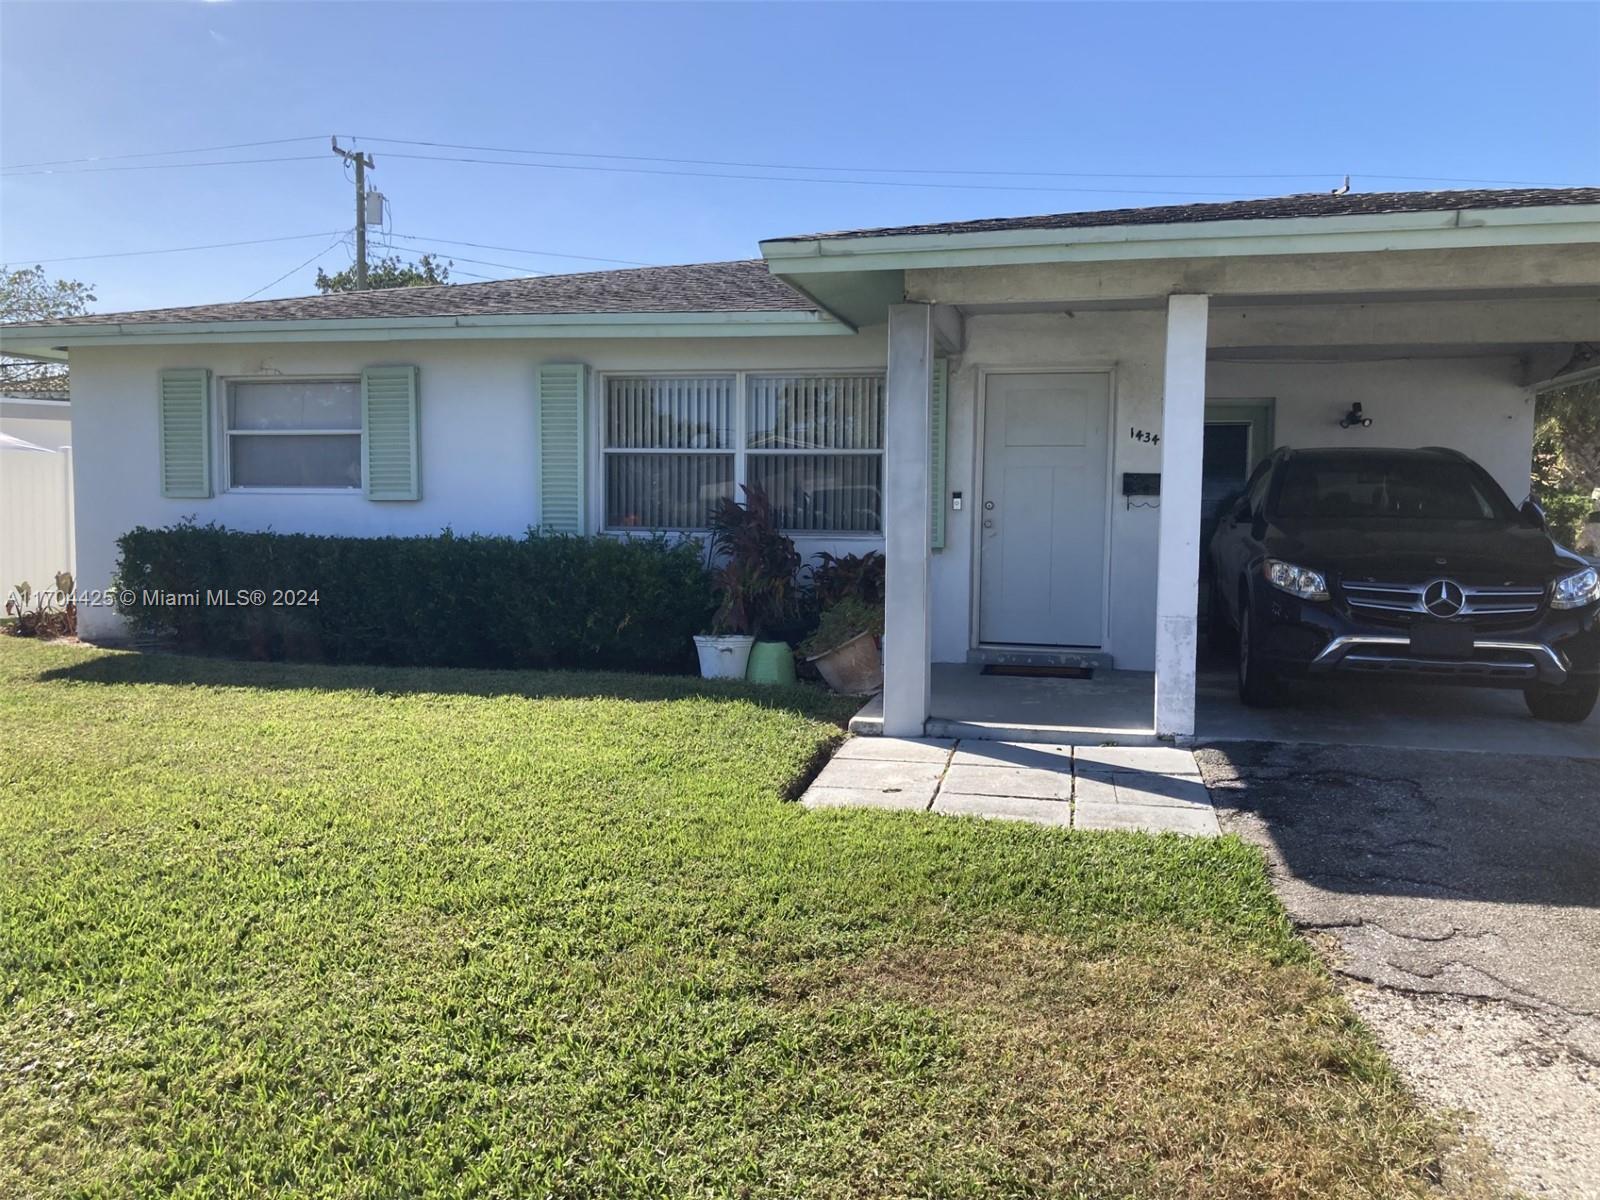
{"type": "Point", "coordinates": [1576, 590]}
{"type": "Point", "coordinates": [1297, 581]}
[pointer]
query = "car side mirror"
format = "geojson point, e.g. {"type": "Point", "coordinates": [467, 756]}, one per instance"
{"type": "Point", "coordinates": [1532, 513]}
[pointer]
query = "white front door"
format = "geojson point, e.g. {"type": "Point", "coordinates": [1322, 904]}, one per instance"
{"type": "Point", "coordinates": [1042, 516]}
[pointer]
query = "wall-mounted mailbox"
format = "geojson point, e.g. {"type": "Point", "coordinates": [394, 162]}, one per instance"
{"type": "Point", "coordinates": [1141, 483]}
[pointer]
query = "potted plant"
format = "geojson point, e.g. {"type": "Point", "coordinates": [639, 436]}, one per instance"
{"type": "Point", "coordinates": [756, 593]}
{"type": "Point", "coordinates": [844, 649]}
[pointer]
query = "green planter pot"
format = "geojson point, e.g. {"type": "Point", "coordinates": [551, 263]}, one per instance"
{"type": "Point", "coordinates": [771, 662]}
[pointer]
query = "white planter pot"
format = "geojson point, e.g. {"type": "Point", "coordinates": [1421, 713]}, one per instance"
{"type": "Point", "coordinates": [723, 656]}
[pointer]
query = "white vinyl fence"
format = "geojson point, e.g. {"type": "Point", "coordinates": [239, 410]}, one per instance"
{"type": "Point", "coordinates": [36, 539]}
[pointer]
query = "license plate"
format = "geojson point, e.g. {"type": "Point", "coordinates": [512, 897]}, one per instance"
{"type": "Point", "coordinates": [1441, 639]}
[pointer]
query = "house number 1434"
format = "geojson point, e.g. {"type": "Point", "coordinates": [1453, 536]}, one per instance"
{"type": "Point", "coordinates": [1143, 435]}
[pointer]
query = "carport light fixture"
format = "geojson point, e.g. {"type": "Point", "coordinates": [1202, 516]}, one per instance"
{"type": "Point", "coordinates": [1354, 417]}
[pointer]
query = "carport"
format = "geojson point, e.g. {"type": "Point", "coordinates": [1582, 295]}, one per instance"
{"type": "Point", "coordinates": [1069, 392]}
{"type": "Point", "coordinates": [1115, 706]}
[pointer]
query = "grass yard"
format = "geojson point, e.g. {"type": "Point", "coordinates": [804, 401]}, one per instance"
{"type": "Point", "coordinates": [292, 930]}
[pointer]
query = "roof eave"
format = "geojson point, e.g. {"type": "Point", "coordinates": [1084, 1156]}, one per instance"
{"type": "Point", "coordinates": [52, 341]}
{"type": "Point", "coordinates": [1464, 227]}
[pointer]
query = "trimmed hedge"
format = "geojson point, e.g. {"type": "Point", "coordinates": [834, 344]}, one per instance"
{"type": "Point", "coordinates": [475, 601]}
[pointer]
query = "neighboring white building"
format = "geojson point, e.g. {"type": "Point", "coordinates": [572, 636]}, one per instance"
{"type": "Point", "coordinates": [46, 423]}
{"type": "Point", "coordinates": [36, 488]}
{"type": "Point", "coordinates": [1082, 383]}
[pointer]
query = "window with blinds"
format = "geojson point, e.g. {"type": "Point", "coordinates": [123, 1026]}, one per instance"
{"type": "Point", "coordinates": [669, 449]}
{"type": "Point", "coordinates": [815, 445]}
{"type": "Point", "coordinates": [674, 445]}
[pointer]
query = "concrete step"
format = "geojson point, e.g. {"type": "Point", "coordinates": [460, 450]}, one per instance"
{"type": "Point", "coordinates": [1017, 657]}
{"type": "Point", "coordinates": [939, 727]}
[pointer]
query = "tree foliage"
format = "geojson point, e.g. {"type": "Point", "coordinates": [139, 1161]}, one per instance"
{"type": "Point", "coordinates": [27, 294]}
{"type": "Point", "coordinates": [391, 271]}
{"type": "Point", "coordinates": [1566, 456]}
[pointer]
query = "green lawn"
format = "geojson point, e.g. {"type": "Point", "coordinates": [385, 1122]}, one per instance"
{"type": "Point", "coordinates": [285, 930]}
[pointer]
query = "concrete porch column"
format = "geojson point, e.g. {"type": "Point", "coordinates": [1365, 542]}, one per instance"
{"type": "Point", "coordinates": [907, 628]}
{"type": "Point", "coordinates": [1183, 417]}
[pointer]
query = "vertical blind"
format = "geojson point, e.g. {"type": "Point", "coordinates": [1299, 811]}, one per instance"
{"type": "Point", "coordinates": [667, 423]}
{"type": "Point", "coordinates": [816, 444]}
{"type": "Point", "coordinates": [831, 412]}
{"type": "Point", "coordinates": [675, 445]}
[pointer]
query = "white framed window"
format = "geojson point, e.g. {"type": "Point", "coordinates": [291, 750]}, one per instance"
{"type": "Point", "coordinates": [292, 434]}
{"type": "Point", "coordinates": [673, 445]}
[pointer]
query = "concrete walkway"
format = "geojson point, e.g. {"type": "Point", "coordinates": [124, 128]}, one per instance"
{"type": "Point", "coordinates": [1153, 789]}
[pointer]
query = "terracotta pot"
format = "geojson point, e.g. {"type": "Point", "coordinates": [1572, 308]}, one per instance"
{"type": "Point", "coordinates": [853, 668]}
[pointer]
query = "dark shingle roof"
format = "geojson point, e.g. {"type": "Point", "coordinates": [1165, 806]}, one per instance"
{"type": "Point", "coordinates": [700, 287]}
{"type": "Point", "coordinates": [1310, 204]}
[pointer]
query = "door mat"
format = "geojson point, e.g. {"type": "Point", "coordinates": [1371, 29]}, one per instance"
{"type": "Point", "coordinates": [1038, 672]}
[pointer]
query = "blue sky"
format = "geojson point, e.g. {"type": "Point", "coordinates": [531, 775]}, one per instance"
{"type": "Point", "coordinates": [1445, 91]}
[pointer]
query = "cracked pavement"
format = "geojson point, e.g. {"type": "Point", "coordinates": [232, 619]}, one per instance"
{"type": "Point", "coordinates": [1458, 894]}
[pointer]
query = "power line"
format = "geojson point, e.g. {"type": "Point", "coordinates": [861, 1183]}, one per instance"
{"type": "Point", "coordinates": [715, 162]}
{"type": "Point", "coordinates": [413, 237]}
{"type": "Point", "coordinates": [474, 275]}
{"type": "Point", "coordinates": [452, 257]}
{"type": "Point", "coordinates": [495, 162]}
{"type": "Point", "coordinates": [94, 158]}
{"type": "Point", "coordinates": [896, 183]}
{"type": "Point", "coordinates": [294, 237]}
{"type": "Point", "coordinates": [17, 171]}
{"type": "Point", "coordinates": [25, 168]}
{"type": "Point", "coordinates": [214, 162]}
{"type": "Point", "coordinates": [336, 241]}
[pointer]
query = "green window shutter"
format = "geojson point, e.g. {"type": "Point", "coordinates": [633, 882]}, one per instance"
{"type": "Point", "coordinates": [563, 388]}
{"type": "Point", "coordinates": [938, 403]}
{"type": "Point", "coordinates": [389, 434]}
{"type": "Point", "coordinates": [186, 433]}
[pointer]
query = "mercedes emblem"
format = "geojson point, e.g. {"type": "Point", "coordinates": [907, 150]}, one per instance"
{"type": "Point", "coordinates": [1444, 598]}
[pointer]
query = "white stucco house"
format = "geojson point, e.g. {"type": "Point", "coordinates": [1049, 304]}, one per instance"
{"type": "Point", "coordinates": [1027, 414]}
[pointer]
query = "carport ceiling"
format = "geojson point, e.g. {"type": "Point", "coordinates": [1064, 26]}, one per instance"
{"type": "Point", "coordinates": [1369, 353]}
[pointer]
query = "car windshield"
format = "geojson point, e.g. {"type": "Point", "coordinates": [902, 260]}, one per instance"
{"type": "Point", "coordinates": [1388, 487]}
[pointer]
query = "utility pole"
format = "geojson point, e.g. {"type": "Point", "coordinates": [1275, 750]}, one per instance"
{"type": "Point", "coordinates": [362, 163]}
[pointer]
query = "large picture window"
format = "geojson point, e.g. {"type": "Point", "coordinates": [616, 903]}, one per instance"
{"type": "Point", "coordinates": [674, 445]}
{"type": "Point", "coordinates": [294, 433]}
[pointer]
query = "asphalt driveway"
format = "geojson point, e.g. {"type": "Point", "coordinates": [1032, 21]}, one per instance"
{"type": "Point", "coordinates": [1459, 894]}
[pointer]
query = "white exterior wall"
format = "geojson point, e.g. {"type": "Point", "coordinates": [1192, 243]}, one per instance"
{"type": "Point", "coordinates": [477, 443]}
{"type": "Point", "coordinates": [35, 495]}
{"type": "Point", "coordinates": [1475, 405]}
{"type": "Point", "coordinates": [44, 423]}
{"type": "Point", "coordinates": [478, 438]}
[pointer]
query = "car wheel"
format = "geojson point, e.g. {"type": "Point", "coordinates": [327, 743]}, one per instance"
{"type": "Point", "coordinates": [1219, 634]}
{"type": "Point", "coordinates": [1258, 688]}
{"type": "Point", "coordinates": [1570, 704]}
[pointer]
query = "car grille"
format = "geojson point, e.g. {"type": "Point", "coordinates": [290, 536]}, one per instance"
{"type": "Point", "coordinates": [1486, 603]}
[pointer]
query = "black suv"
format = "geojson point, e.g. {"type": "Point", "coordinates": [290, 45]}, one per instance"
{"type": "Point", "coordinates": [1401, 562]}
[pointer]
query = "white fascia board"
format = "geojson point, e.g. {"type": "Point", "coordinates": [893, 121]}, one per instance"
{"type": "Point", "coordinates": [48, 341]}
{"type": "Point", "coordinates": [1551, 225]}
